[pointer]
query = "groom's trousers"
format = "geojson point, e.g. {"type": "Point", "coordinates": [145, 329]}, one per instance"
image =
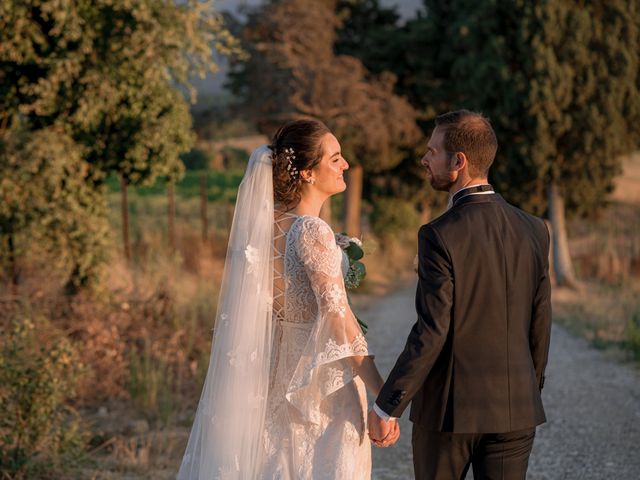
{"type": "Point", "coordinates": [493, 456]}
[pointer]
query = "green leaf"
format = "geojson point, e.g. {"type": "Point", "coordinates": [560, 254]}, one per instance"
{"type": "Point", "coordinates": [354, 251]}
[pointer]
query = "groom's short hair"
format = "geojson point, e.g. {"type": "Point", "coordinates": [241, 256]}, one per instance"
{"type": "Point", "coordinates": [470, 133]}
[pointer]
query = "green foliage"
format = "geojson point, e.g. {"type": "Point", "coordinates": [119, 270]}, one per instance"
{"type": "Point", "coordinates": [106, 72]}
{"type": "Point", "coordinates": [369, 32]}
{"type": "Point", "coordinates": [235, 158]}
{"type": "Point", "coordinates": [220, 121]}
{"type": "Point", "coordinates": [558, 79]}
{"type": "Point", "coordinates": [40, 437]}
{"type": "Point", "coordinates": [195, 159]}
{"type": "Point", "coordinates": [220, 185]}
{"type": "Point", "coordinates": [47, 208]}
{"type": "Point", "coordinates": [103, 81]}
{"type": "Point", "coordinates": [392, 218]}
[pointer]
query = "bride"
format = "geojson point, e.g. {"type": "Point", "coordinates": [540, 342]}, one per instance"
{"type": "Point", "coordinates": [284, 396]}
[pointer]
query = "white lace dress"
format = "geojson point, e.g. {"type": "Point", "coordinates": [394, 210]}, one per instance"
{"type": "Point", "coordinates": [315, 420]}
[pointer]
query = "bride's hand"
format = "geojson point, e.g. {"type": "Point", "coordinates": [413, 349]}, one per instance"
{"type": "Point", "coordinates": [392, 436]}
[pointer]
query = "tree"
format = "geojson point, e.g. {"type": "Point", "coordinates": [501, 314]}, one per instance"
{"type": "Point", "coordinates": [293, 71]}
{"type": "Point", "coordinates": [585, 99]}
{"type": "Point", "coordinates": [110, 76]}
{"type": "Point", "coordinates": [47, 209]}
{"type": "Point", "coordinates": [559, 81]}
{"type": "Point", "coordinates": [367, 31]}
{"type": "Point", "coordinates": [372, 33]}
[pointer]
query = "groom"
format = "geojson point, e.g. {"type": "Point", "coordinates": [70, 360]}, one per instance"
{"type": "Point", "coordinates": [473, 365]}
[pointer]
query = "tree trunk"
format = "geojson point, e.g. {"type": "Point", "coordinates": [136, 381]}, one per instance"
{"type": "Point", "coordinates": [124, 205]}
{"type": "Point", "coordinates": [560, 244]}
{"type": "Point", "coordinates": [171, 215]}
{"type": "Point", "coordinates": [325, 211]}
{"type": "Point", "coordinates": [353, 200]}
{"type": "Point", "coordinates": [203, 206]}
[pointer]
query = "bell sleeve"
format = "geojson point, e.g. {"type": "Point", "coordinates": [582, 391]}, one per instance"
{"type": "Point", "coordinates": [325, 365]}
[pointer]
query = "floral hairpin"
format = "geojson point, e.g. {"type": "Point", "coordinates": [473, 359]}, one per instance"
{"type": "Point", "coordinates": [290, 155]}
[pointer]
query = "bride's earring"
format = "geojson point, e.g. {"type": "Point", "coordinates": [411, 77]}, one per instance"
{"type": "Point", "coordinates": [310, 180]}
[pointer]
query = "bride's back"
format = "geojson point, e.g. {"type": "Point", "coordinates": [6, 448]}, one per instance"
{"type": "Point", "coordinates": [281, 226]}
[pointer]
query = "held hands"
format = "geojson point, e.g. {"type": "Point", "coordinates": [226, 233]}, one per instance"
{"type": "Point", "coordinates": [381, 432]}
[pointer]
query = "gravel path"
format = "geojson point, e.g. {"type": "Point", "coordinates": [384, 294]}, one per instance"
{"type": "Point", "coordinates": [592, 404]}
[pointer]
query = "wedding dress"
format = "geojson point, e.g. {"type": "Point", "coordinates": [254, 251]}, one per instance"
{"type": "Point", "coordinates": [316, 410]}
{"type": "Point", "coordinates": [281, 399]}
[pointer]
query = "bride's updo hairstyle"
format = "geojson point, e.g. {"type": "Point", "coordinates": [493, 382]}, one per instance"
{"type": "Point", "coordinates": [296, 146]}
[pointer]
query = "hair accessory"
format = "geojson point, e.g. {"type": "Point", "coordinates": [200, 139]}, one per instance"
{"type": "Point", "coordinates": [290, 156]}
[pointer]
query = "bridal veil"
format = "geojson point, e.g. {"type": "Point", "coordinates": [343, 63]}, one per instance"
{"type": "Point", "coordinates": [226, 438]}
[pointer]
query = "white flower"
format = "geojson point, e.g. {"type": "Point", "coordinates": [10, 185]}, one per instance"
{"type": "Point", "coordinates": [252, 256]}
{"type": "Point", "coordinates": [342, 240]}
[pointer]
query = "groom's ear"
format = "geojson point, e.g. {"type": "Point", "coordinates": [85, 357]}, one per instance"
{"type": "Point", "coordinates": [459, 161]}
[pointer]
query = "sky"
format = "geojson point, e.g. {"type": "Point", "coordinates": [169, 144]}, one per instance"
{"type": "Point", "coordinates": [212, 85]}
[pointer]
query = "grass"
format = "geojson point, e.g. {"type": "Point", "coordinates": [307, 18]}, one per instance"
{"type": "Point", "coordinates": [221, 185]}
{"type": "Point", "coordinates": [607, 315]}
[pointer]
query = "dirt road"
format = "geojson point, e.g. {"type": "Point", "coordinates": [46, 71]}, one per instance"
{"type": "Point", "coordinates": [592, 403]}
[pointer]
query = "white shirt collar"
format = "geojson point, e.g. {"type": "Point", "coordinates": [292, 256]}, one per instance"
{"type": "Point", "coordinates": [470, 186]}
{"type": "Point", "coordinates": [451, 194]}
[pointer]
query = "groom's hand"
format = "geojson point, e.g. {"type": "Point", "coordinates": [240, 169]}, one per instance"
{"type": "Point", "coordinates": [381, 432]}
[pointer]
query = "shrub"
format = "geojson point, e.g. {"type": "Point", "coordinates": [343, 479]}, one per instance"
{"type": "Point", "coordinates": [195, 159]}
{"type": "Point", "coordinates": [235, 158]}
{"type": "Point", "coordinates": [40, 435]}
{"type": "Point", "coordinates": [151, 385]}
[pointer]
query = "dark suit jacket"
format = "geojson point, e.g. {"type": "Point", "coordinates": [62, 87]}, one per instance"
{"type": "Point", "coordinates": [474, 361]}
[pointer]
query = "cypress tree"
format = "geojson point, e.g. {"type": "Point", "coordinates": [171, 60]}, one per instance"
{"type": "Point", "coordinates": [559, 80]}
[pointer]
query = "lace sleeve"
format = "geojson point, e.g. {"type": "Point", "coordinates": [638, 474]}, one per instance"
{"type": "Point", "coordinates": [336, 336]}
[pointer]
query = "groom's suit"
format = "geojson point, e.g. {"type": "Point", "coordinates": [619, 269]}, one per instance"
{"type": "Point", "coordinates": [473, 365]}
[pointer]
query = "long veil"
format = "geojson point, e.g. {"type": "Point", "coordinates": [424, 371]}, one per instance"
{"type": "Point", "coordinates": [226, 437]}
